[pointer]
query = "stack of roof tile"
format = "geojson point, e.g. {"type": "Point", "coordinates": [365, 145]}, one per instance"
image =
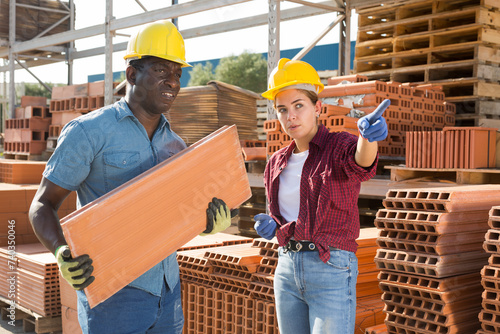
{"type": "Point", "coordinates": [198, 111]}
{"type": "Point", "coordinates": [9, 265]}
{"type": "Point", "coordinates": [413, 108]}
{"type": "Point", "coordinates": [33, 278]}
{"type": "Point", "coordinates": [490, 276]}
{"type": "Point", "coordinates": [430, 256]}
{"type": "Point", "coordinates": [38, 283]}
{"type": "Point", "coordinates": [454, 147]}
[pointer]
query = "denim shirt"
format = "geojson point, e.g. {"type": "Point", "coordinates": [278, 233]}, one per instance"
{"type": "Point", "coordinates": [103, 149]}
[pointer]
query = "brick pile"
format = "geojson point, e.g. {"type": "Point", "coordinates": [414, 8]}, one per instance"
{"type": "Point", "coordinates": [490, 277]}
{"type": "Point", "coordinates": [69, 102]}
{"type": "Point", "coordinates": [454, 147]}
{"type": "Point", "coordinates": [229, 288]}
{"type": "Point", "coordinates": [430, 257]}
{"type": "Point", "coordinates": [413, 108]}
{"type": "Point", "coordinates": [26, 134]}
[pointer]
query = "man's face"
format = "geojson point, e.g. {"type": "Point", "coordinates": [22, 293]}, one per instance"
{"type": "Point", "coordinates": [157, 84]}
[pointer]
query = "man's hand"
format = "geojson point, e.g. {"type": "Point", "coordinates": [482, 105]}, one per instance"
{"type": "Point", "coordinates": [76, 271]}
{"type": "Point", "coordinates": [265, 226]}
{"type": "Point", "coordinates": [373, 126]}
{"type": "Point", "coordinates": [218, 216]}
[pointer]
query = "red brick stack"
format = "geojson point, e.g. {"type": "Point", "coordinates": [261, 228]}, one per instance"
{"type": "Point", "coordinates": [490, 276]}
{"type": "Point", "coordinates": [69, 102]}
{"type": "Point", "coordinates": [431, 255]}
{"type": "Point", "coordinates": [26, 134]}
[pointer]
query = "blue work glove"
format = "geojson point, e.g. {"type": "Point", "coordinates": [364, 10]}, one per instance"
{"type": "Point", "coordinates": [373, 126]}
{"type": "Point", "coordinates": [265, 226]}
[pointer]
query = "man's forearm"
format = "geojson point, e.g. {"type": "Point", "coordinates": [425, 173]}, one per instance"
{"type": "Point", "coordinates": [45, 223]}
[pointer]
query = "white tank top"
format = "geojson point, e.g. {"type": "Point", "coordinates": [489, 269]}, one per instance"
{"type": "Point", "coordinates": [289, 190]}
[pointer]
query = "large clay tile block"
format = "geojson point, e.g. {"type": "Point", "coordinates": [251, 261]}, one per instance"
{"type": "Point", "coordinates": [27, 101]}
{"type": "Point", "coordinates": [241, 257]}
{"type": "Point", "coordinates": [444, 199]}
{"type": "Point", "coordinates": [157, 212]}
{"type": "Point", "coordinates": [22, 172]}
{"type": "Point", "coordinates": [14, 221]}
{"type": "Point", "coordinates": [483, 147]}
{"type": "Point", "coordinates": [13, 197]}
{"type": "Point", "coordinates": [63, 117]}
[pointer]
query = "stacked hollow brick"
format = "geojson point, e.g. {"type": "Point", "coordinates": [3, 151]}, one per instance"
{"type": "Point", "coordinates": [490, 277]}
{"type": "Point", "coordinates": [454, 147]}
{"type": "Point", "coordinates": [413, 108]}
{"type": "Point", "coordinates": [430, 257]}
{"type": "Point", "coordinates": [69, 102]}
{"type": "Point", "coordinates": [453, 44]}
{"type": "Point", "coordinates": [229, 288]}
{"type": "Point", "coordinates": [26, 134]}
{"type": "Point", "coordinates": [28, 272]}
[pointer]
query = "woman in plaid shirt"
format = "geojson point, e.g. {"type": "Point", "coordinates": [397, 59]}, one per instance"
{"type": "Point", "coordinates": [312, 186]}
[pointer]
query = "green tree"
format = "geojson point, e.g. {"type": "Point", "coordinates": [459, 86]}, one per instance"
{"type": "Point", "coordinates": [201, 74]}
{"type": "Point", "coordinates": [35, 89]}
{"type": "Point", "coordinates": [248, 70]}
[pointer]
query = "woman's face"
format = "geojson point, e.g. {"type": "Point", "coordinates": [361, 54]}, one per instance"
{"type": "Point", "coordinates": [297, 114]}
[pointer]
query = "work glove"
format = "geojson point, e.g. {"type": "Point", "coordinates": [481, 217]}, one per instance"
{"type": "Point", "coordinates": [76, 270]}
{"type": "Point", "coordinates": [265, 226]}
{"type": "Point", "coordinates": [373, 126]}
{"type": "Point", "coordinates": [218, 216]}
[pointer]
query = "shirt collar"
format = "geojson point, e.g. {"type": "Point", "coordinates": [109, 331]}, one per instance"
{"type": "Point", "coordinates": [320, 137]}
{"type": "Point", "coordinates": [123, 110]}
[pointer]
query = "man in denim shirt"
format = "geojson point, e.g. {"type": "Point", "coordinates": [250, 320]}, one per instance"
{"type": "Point", "coordinates": [102, 150]}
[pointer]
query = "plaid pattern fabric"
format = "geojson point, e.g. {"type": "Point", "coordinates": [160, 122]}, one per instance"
{"type": "Point", "coordinates": [329, 189]}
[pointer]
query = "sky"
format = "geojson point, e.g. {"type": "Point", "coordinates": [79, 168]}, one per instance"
{"type": "Point", "coordinates": [294, 34]}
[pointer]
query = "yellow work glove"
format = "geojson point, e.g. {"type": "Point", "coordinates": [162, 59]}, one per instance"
{"type": "Point", "coordinates": [76, 271]}
{"type": "Point", "coordinates": [218, 216]}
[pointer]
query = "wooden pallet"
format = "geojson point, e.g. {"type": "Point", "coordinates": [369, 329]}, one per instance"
{"type": "Point", "coordinates": [32, 322]}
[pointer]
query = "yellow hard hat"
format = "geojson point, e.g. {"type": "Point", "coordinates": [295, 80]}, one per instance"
{"type": "Point", "coordinates": [159, 39]}
{"type": "Point", "coordinates": [292, 73]}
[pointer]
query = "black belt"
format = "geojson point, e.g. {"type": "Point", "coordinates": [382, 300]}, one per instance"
{"type": "Point", "coordinates": [300, 246]}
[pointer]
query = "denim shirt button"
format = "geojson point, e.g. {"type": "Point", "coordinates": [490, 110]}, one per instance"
{"type": "Point", "coordinates": [124, 162]}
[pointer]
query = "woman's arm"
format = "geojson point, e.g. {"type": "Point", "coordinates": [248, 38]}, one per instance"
{"type": "Point", "coordinates": [366, 152]}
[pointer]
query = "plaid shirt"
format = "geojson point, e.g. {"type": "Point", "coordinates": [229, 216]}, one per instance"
{"type": "Point", "coordinates": [329, 189]}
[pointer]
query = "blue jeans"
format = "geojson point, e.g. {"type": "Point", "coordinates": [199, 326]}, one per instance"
{"type": "Point", "coordinates": [313, 296]}
{"type": "Point", "coordinates": [133, 310]}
